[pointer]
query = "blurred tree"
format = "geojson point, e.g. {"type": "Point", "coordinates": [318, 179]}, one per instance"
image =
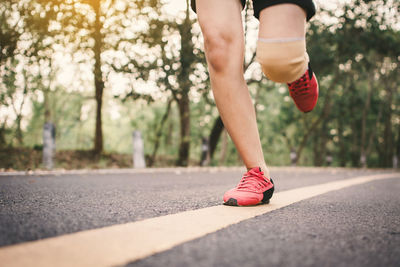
{"type": "Point", "coordinates": [159, 130]}
{"type": "Point", "coordinates": [19, 50]}
{"type": "Point", "coordinates": [9, 37]}
{"type": "Point", "coordinates": [9, 34]}
{"type": "Point", "coordinates": [176, 64]}
{"type": "Point", "coordinates": [93, 28]}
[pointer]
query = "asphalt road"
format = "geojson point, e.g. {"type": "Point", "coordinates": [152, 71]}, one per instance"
{"type": "Point", "coordinates": [355, 226]}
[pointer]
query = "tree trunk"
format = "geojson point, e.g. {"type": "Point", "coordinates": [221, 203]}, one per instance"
{"type": "Point", "coordinates": [355, 145]}
{"type": "Point", "coordinates": [182, 98]}
{"type": "Point", "coordinates": [168, 137]}
{"type": "Point", "coordinates": [98, 80]}
{"type": "Point", "coordinates": [374, 130]}
{"type": "Point", "coordinates": [342, 145]}
{"type": "Point", "coordinates": [397, 155]}
{"type": "Point", "coordinates": [159, 133]}
{"type": "Point", "coordinates": [388, 138]}
{"type": "Point", "coordinates": [224, 148]}
{"type": "Point", "coordinates": [3, 133]}
{"type": "Point", "coordinates": [46, 104]}
{"type": "Point", "coordinates": [184, 116]}
{"type": "Point", "coordinates": [363, 154]}
{"type": "Point", "coordinates": [18, 112]}
{"type": "Point", "coordinates": [320, 145]}
{"type": "Point", "coordinates": [215, 135]}
{"type": "Point", "coordinates": [388, 143]}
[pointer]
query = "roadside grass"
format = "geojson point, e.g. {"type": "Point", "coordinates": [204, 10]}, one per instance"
{"type": "Point", "coordinates": [25, 159]}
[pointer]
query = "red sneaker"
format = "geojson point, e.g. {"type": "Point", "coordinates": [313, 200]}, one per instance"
{"type": "Point", "coordinates": [304, 91]}
{"type": "Point", "coordinates": [253, 189]}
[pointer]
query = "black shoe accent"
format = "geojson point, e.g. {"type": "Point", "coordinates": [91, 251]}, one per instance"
{"type": "Point", "coordinates": [231, 202]}
{"type": "Point", "coordinates": [310, 72]}
{"type": "Point", "coordinates": [268, 194]}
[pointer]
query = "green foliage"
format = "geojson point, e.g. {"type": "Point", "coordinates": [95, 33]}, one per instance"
{"type": "Point", "coordinates": [354, 51]}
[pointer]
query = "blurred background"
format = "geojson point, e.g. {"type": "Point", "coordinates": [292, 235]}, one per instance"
{"type": "Point", "coordinates": [98, 70]}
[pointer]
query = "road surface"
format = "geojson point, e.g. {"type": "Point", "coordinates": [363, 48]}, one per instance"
{"type": "Point", "coordinates": [91, 217]}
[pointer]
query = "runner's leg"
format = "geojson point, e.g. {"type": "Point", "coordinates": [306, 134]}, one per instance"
{"type": "Point", "coordinates": [282, 21]}
{"type": "Point", "coordinates": [282, 52]}
{"type": "Point", "coordinates": [221, 24]}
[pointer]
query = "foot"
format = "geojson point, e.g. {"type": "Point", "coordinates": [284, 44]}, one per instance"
{"type": "Point", "coordinates": [253, 189]}
{"type": "Point", "coordinates": [304, 91]}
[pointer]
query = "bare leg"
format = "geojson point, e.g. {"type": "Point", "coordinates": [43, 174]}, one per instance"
{"type": "Point", "coordinates": [282, 21]}
{"type": "Point", "coordinates": [221, 24]}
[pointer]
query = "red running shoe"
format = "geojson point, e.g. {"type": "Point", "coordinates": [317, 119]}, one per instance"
{"type": "Point", "coordinates": [253, 189]}
{"type": "Point", "coordinates": [304, 91]}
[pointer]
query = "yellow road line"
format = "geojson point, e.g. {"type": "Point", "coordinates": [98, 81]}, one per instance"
{"type": "Point", "coordinates": [120, 244]}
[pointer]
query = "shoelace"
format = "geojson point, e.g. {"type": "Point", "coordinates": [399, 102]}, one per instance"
{"type": "Point", "coordinates": [300, 87]}
{"type": "Point", "coordinates": [252, 181]}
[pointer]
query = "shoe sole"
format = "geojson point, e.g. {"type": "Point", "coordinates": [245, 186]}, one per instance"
{"type": "Point", "coordinates": [233, 202]}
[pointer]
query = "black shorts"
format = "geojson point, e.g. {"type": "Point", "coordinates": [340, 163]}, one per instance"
{"type": "Point", "coordinates": [259, 5]}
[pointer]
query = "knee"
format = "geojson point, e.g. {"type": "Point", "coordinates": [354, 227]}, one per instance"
{"type": "Point", "coordinates": [217, 46]}
{"type": "Point", "coordinates": [282, 62]}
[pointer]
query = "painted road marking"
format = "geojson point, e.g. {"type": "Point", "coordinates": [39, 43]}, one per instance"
{"type": "Point", "coordinates": [124, 243]}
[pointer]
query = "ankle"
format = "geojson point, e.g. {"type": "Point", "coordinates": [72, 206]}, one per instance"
{"type": "Point", "coordinates": [264, 169]}
{"type": "Point", "coordinates": [266, 172]}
